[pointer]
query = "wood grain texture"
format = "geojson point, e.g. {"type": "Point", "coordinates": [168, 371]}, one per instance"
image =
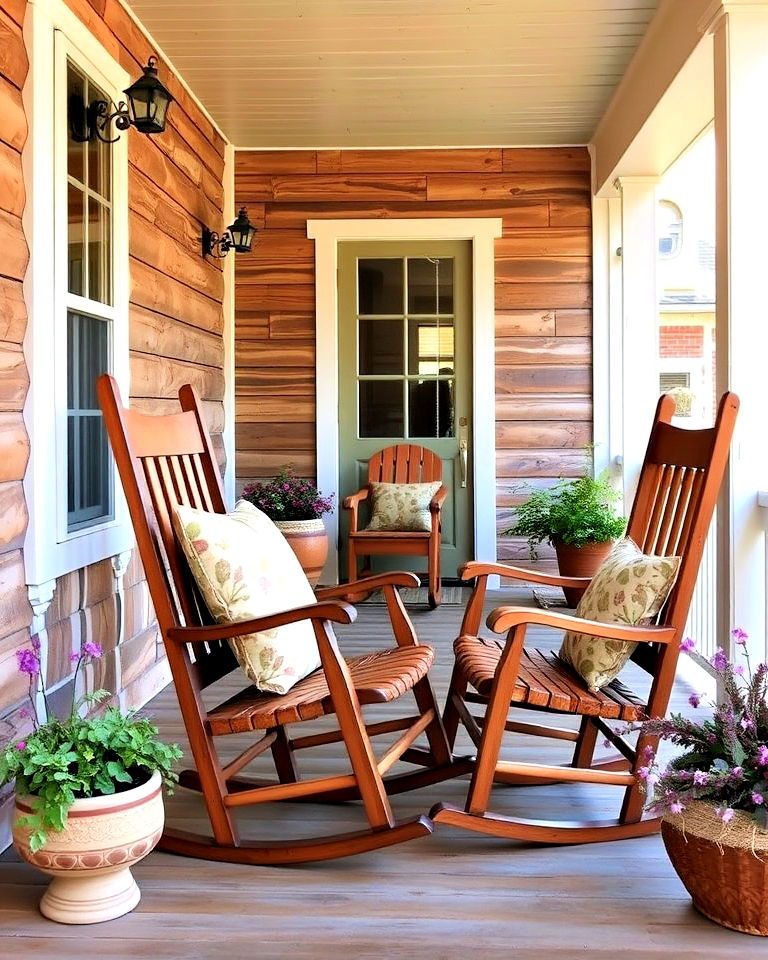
{"type": "Point", "coordinates": [543, 288]}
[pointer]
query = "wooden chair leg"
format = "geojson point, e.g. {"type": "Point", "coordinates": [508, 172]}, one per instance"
{"type": "Point", "coordinates": [585, 745]}
{"type": "Point", "coordinates": [283, 757]}
{"type": "Point", "coordinates": [451, 719]}
{"type": "Point", "coordinates": [351, 561]}
{"type": "Point", "coordinates": [434, 591]}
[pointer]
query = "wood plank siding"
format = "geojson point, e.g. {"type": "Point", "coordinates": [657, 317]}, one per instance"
{"type": "Point", "coordinates": [543, 295]}
{"type": "Point", "coordinates": [176, 322]}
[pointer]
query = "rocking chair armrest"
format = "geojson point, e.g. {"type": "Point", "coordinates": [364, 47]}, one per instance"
{"type": "Point", "coordinates": [328, 610]}
{"type": "Point", "coordinates": [395, 579]}
{"type": "Point", "coordinates": [477, 568]}
{"type": "Point", "coordinates": [503, 619]}
{"type": "Point", "coordinates": [438, 500]}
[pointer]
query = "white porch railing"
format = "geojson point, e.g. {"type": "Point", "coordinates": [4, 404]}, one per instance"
{"type": "Point", "coordinates": [702, 616]}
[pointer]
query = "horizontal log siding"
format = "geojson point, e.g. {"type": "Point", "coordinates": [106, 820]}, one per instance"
{"type": "Point", "coordinates": [176, 322]}
{"type": "Point", "coordinates": [543, 296]}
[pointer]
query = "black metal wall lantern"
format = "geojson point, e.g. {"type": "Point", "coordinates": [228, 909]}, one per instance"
{"type": "Point", "coordinates": [148, 102]}
{"type": "Point", "coordinates": [238, 237]}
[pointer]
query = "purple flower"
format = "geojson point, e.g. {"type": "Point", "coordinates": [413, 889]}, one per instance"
{"type": "Point", "coordinates": [28, 662]}
{"type": "Point", "coordinates": [35, 641]}
{"type": "Point", "coordinates": [747, 723]}
{"type": "Point", "coordinates": [740, 636]}
{"type": "Point", "coordinates": [606, 742]}
{"type": "Point", "coordinates": [687, 645]}
{"type": "Point", "coordinates": [758, 799]}
{"type": "Point", "coordinates": [726, 814]}
{"type": "Point", "coordinates": [694, 699]}
{"type": "Point", "coordinates": [712, 738]}
{"type": "Point", "coordinates": [718, 659]}
{"type": "Point", "coordinates": [676, 807]}
{"type": "Point", "coordinates": [25, 714]}
{"type": "Point", "coordinates": [92, 649]}
{"type": "Point", "coordinates": [644, 772]}
{"type": "Point", "coordinates": [74, 657]}
{"type": "Point", "coordinates": [21, 745]}
{"type": "Point", "coordinates": [737, 773]}
{"type": "Point", "coordinates": [762, 756]}
{"type": "Point", "coordinates": [700, 778]}
{"type": "Point", "coordinates": [739, 670]}
{"type": "Point", "coordinates": [647, 753]}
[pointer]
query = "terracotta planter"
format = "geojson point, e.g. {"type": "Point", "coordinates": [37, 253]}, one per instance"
{"type": "Point", "coordinates": [309, 542]}
{"type": "Point", "coordinates": [90, 858]}
{"type": "Point", "coordinates": [724, 867]}
{"type": "Point", "coordinates": [580, 562]}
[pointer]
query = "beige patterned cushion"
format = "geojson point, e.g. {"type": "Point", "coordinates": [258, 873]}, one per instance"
{"type": "Point", "coordinates": [402, 506]}
{"type": "Point", "coordinates": [630, 587]}
{"type": "Point", "coordinates": [245, 568]}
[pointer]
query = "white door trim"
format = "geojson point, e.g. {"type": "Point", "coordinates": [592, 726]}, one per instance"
{"type": "Point", "coordinates": [481, 232]}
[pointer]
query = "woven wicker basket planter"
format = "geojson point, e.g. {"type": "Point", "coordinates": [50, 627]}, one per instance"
{"type": "Point", "coordinates": [724, 866]}
{"type": "Point", "coordinates": [309, 542]}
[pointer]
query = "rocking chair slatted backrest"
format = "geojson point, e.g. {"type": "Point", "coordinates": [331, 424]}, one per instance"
{"type": "Point", "coordinates": [676, 497]}
{"type": "Point", "coordinates": [405, 463]}
{"type": "Point", "coordinates": [164, 461]}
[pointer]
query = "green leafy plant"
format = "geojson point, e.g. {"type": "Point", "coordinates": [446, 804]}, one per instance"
{"type": "Point", "coordinates": [80, 756]}
{"type": "Point", "coordinates": [288, 497]}
{"type": "Point", "coordinates": [575, 512]}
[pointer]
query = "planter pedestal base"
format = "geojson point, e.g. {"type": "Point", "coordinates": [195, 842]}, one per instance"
{"type": "Point", "coordinates": [73, 898]}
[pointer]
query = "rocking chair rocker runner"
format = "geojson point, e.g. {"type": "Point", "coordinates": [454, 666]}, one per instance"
{"type": "Point", "coordinates": [676, 496]}
{"type": "Point", "coordinates": [400, 463]}
{"type": "Point", "coordinates": [167, 460]}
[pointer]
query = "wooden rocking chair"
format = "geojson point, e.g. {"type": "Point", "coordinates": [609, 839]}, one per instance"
{"type": "Point", "coordinates": [676, 496]}
{"type": "Point", "coordinates": [400, 463]}
{"type": "Point", "coordinates": [167, 460]}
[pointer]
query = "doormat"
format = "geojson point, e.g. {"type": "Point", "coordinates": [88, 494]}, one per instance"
{"type": "Point", "coordinates": [451, 596]}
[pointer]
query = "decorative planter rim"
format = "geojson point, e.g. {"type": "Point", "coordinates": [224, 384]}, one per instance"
{"type": "Point", "coordinates": [110, 802]}
{"type": "Point", "coordinates": [315, 525]}
{"type": "Point", "coordinates": [700, 820]}
{"type": "Point", "coordinates": [573, 546]}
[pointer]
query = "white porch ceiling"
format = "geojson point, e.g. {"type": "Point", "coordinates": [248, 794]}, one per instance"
{"type": "Point", "coordinates": [400, 73]}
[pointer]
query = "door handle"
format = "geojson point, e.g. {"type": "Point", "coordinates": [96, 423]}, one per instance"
{"type": "Point", "coordinates": [463, 448]}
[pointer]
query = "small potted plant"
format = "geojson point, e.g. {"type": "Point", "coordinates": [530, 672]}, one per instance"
{"type": "Point", "coordinates": [713, 798]}
{"type": "Point", "coordinates": [578, 517]}
{"type": "Point", "coordinates": [296, 506]}
{"type": "Point", "coordinates": [88, 797]}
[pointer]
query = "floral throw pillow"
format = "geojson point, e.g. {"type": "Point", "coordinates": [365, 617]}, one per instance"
{"type": "Point", "coordinates": [631, 588]}
{"type": "Point", "coordinates": [402, 506]}
{"type": "Point", "coordinates": [245, 568]}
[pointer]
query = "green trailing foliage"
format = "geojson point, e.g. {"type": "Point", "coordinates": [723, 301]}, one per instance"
{"type": "Point", "coordinates": [575, 512]}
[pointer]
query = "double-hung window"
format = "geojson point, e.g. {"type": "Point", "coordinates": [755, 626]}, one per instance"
{"type": "Point", "coordinates": [78, 285]}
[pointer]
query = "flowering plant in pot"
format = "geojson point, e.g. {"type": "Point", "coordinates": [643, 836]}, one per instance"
{"type": "Point", "coordinates": [88, 797]}
{"type": "Point", "coordinates": [296, 506]}
{"type": "Point", "coordinates": [713, 797]}
{"type": "Point", "coordinates": [578, 517]}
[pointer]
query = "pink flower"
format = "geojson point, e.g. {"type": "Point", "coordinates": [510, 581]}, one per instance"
{"type": "Point", "coordinates": [644, 772]}
{"type": "Point", "coordinates": [747, 723]}
{"type": "Point", "coordinates": [676, 807]}
{"type": "Point", "coordinates": [694, 699]}
{"type": "Point", "coordinates": [647, 753]}
{"type": "Point", "coordinates": [737, 773]}
{"type": "Point", "coordinates": [726, 814]}
{"type": "Point", "coordinates": [740, 636]}
{"type": "Point", "coordinates": [718, 659]}
{"type": "Point", "coordinates": [35, 641]}
{"type": "Point", "coordinates": [739, 670]}
{"type": "Point", "coordinates": [92, 649]}
{"type": "Point", "coordinates": [700, 778]}
{"type": "Point", "coordinates": [21, 745]}
{"type": "Point", "coordinates": [28, 662]}
{"type": "Point", "coordinates": [687, 645]}
{"type": "Point", "coordinates": [74, 657]}
{"type": "Point", "coordinates": [762, 756]}
{"type": "Point", "coordinates": [758, 799]}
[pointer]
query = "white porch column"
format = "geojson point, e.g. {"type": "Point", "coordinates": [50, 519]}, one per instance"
{"type": "Point", "coordinates": [740, 29]}
{"type": "Point", "coordinates": [640, 306]}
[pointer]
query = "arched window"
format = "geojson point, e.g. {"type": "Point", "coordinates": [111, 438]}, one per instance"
{"type": "Point", "coordinates": [669, 220]}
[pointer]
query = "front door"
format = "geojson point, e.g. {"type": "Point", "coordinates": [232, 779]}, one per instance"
{"type": "Point", "coordinates": [405, 370]}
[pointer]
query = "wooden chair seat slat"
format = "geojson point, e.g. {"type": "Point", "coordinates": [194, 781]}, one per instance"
{"type": "Point", "coordinates": [377, 677]}
{"type": "Point", "coordinates": [546, 682]}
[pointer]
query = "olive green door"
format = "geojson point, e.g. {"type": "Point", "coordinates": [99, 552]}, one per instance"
{"type": "Point", "coordinates": [405, 315]}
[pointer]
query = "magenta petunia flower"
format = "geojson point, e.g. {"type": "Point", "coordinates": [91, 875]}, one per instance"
{"type": "Point", "coordinates": [687, 645]}
{"type": "Point", "coordinates": [21, 745]}
{"type": "Point", "coordinates": [28, 662]}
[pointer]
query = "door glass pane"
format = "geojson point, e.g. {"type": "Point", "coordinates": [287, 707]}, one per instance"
{"type": "Point", "coordinates": [380, 286]}
{"type": "Point", "coordinates": [99, 153]}
{"type": "Point", "coordinates": [381, 346]}
{"type": "Point", "coordinates": [75, 240]}
{"type": "Point", "coordinates": [75, 123]}
{"type": "Point", "coordinates": [430, 285]}
{"type": "Point", "coordinates": [98, 252]}
{"type": "Point", "coordinates": [381, 408]}
{"type": "Point", "coordinates": [430, 347]}
{"type": "Point", "coordinates": [430, 408]}
{"type": "Point", "coordinates": [89, 471]}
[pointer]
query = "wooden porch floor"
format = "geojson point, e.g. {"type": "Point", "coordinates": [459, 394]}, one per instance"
{"type": "Point", "coordinates": [445, 896]}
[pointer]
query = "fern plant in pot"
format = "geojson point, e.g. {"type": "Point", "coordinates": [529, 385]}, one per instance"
{"type": "Point", "coordinates": [579, 518]}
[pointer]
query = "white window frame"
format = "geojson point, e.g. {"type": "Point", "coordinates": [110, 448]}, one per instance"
{"type": "Point", "coordinates": [52, 33]}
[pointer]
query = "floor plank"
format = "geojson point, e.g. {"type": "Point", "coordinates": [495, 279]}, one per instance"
{"type": "Point", "coordinates": [444, 896]}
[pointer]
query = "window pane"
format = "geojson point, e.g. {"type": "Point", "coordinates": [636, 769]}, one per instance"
{"type": "Point", "coordinates": [381, 346]}
{"type": "Point", "coordinates": [99, 153]}
{"type": "Point", "coordinates": [430, 285]}
{"type": "Point", "coordinates": [88, 464]}
{"type": "Point", "coordinates": [381, 408]}
{"type": "Point", "coordinates": [430, 347]}
{"type": "Point", "coordinates": [75, 240]}
{"type": "Point", "coordinates": [430, 408]}
{"type": "Point", "coordinates": [75, 123]}
{"type": "Point", "coordinates": [99, 280]}
{"type": "Point", "coordinates": [380, 286]}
